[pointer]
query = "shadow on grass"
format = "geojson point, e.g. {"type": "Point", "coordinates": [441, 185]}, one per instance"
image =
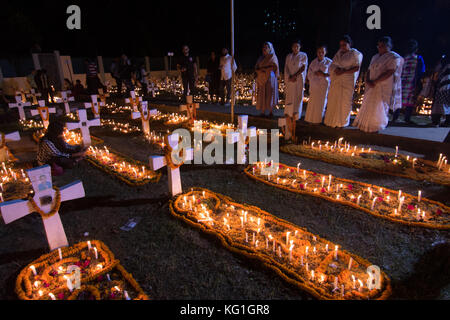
{"type": "Point", "coordinates": [106, 201]}
{"type": "Point", "coordinates": [431, 274]}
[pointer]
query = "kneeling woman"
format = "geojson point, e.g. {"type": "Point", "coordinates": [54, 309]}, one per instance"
{"type": "Point", "coordinates": [383, 89]}
{"type": "Point", "coordinates": [56, 152]}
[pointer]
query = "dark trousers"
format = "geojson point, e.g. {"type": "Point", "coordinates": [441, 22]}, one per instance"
{"type": "Point", "coordinates": [408, 113]}
{"type": "Point", "coordinates": [436, 119]}
{"type": "Point", "coordinates": [188, 82]}
{"type": "Point", "coordinates": [223, 84]}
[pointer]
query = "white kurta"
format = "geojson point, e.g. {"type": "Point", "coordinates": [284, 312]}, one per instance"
{"type": "Point", "coordinates": [294, 90]}
{"type": "Point", "coordinates": [318, 90]}
{"type": "Point", "coordinates": [374, 113]}
{"type": "Point", "coordinates": [340, 96]}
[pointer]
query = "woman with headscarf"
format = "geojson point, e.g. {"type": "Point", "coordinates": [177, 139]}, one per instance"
{"type": "Point", "coordinates": [56, 152]}
{"type": "Point", "coordinates": [267, 72]}
{"type": "Point", "coordinates": [294, 80]}
{"type": "Point", "coordinates": [344, 72]}
{"type": "Point", "coordinates": [319, 82]}
{"type": "Point", "coordinates": [383, 88]}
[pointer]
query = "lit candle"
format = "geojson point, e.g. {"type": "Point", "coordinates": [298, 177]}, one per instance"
{"type": "Point", "coordinates": [246, 237]}
{"type": "Point", "coordinates": [373, 203]}
{"type": "Point", "coordinates": [290, 252]}
{"type": "Point", "coordinates": [350, 263]}
{"type": "Point", "coordinates": [396, 151]}
{"type": "Point", "coordinates": [335, 252]}
{"type": "Point", "coordinates": [312, 275]}
{"type": "Point", "coordinates": [89, 245]}
{"type": "Point", "coordinates": [419, 196]}
{"type": "Point", "coordinates": [358, 200]}
{"type": "Point", "coordinates": [69, 284]}
{"type": "Point", "coordinates": [33, 269]}
{"type": "Point", "coordinates": [242, 222]}
{"type": "Point", "coordinates": [96, 253]}
{"type": "Point", "coordinates": [60, 253]}
{"type": "Point", "coordinates": [287, 237]}
{"type": "Point", "coordinates": [399, 194]}
{"type": "Point", "coordinates": [52, 296]}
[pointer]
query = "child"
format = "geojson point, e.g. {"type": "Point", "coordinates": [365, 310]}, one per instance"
{"type": "Point", "coordinates": [53, 150]}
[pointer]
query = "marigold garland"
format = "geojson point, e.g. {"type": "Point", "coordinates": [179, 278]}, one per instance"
{"type": "Point", "coordinates": [286, 270]}
{"type": "Point", "coordinates": [55, 206]}
{"type": "Point", "coordinates": [442, 211]}
{"type": "Point", "coordinates": [367, 164]}
{"type": "Point", "coordinates": [93, 280]}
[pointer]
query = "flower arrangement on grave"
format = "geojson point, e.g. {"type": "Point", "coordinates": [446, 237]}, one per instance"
{"type": "Point", "coordinates": [343, 153]}
{"type": "Point", "coordinates": [130, 171]}
{"type": "Point", "coordinates": [395, 206]}
{"type": "Point", "coordinates": [299, 257]}
{"type": "Point", "coordinates": [53, 276]}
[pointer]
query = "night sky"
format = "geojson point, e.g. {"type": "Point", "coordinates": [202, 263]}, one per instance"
{"type": "Point", "coordinates": [153, 28]}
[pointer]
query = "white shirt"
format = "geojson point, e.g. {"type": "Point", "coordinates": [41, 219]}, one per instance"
{"type": "Point", "coordinates": [294, 63]}
{"type": "Point", "coordinates": [225, 67]}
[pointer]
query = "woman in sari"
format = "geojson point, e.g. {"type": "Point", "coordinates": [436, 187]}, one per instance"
{"type": "Point", "coordinates": [267, 72]}
{"type": "Point", "coordinates": [319, 82]}
{"type": "Point", "coordinates": [383, 88]}
{"type": "Point", "coordinates": [344, 71]}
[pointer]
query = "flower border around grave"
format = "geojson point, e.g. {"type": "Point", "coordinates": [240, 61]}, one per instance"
{"type": "Point", "coordinates": [366, 164]}
{"type": "Point", "coordinates": [282, 269]}
{"type": "Point", "coordinates": [324, 195]}
{"type": "Point", "coordinates": [127, 180]}
{"type": "Point", "coordinates": [45, 265]}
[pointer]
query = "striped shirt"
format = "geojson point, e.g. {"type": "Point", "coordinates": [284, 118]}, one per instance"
{"type": "Point", "coordinates": [47, 150]}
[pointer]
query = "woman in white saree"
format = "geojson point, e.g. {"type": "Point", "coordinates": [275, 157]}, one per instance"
{"type": "Point", "coordinates": [319, 82]}
{"type": "Point", "coordinates": [383, 88]}
{"type": "Point", "coordinates": [344, 72]}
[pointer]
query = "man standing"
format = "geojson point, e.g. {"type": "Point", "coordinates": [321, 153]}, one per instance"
{"type": "Point", "coordinates": [126, 73]}
{"type": "Point", "coordinates": [189, 72]}
{"type": "Point", "coordinates": [227, 66]}
{"type": "Point", "coordinates": [91, 76]}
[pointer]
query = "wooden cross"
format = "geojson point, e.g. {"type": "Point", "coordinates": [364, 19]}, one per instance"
{"type": "Point", "coordinates": [4, 153]}
{"type": "Point", "coordinates": [134, 101]}
{"type": "Point", "coordinates": [94, 105]}
{"type": "Point", "coordinates": [33, 94]}
{"type": "Point", "coordinates": [190, 108]}
{"type": "Point", "coordinates": [65, 99]}
{"type": "Point", "coordinates": [158, 162]}
{"type": "Point", "coordinates": [44, 112]}
{"type": "Point", "coordinates": [144, 114]}
{"type": "Point", "coordinates": [20, 105]}
{"type": "Point", "coordinates": [45, 199]}
{"type": "Point", "coordinates": [83, 125]}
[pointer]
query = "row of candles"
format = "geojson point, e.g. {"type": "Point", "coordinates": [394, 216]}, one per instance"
{"type": "Point", "coordinates": [115, 162]}
{"type": "Point", "coordinates": [339, 146]}
{"type": "Point", "coordinates": [370, 195]}
{"type": "Point", "coordinates": [122, 127]}
{"type": "Point", "coordinates": [258, 235]}
{"type": "Point", "coordinates": [68, 280]}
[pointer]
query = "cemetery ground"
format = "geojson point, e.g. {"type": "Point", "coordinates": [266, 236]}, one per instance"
{"type": "Point", "coordinates": [171, 260]}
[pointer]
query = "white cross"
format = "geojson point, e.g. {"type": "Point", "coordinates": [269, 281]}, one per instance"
{"type": "Point", "coordinates": [152, 89]}
{"type": "Point", "coordinates": [145, 116]}
{"type": "Point", "coordinates": [158, 162]}
{"type": "Point", "coordinates": [240, 136]}
{"type": "Point", "coordinates": [14, 136]}
{"type": "Point", "coordinates": [44, 197]}
{"type": "Point", "coordinates": [95, 105]}
{"type": "Point", "coordinates": [83, 125]}
{"type": "Point", "coordinates": [34, 96]}
{"type": "Point", "coordinates": [133, 101]}
{"type": "Point", "coordinates": [44, 112]}
{"type": "Point", "coordinates": [19, 105]}
{"type": "Point", "coordinates": [65, 99]}
{"type": "Point", "coordinates": [22, 94]}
